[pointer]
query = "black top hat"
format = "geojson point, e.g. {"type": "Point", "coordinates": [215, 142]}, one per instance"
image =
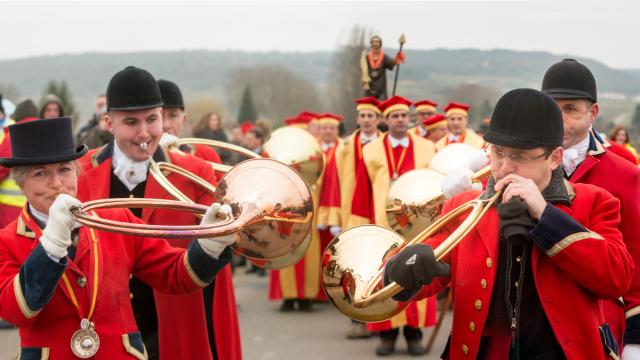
{"type": "Point", "coordinates": [525, 119]}
{"type": "Point", "coordinates": [133, 89]}
{"type": "Point", "coordinates": [40, 142]}
{"type": "Point", "coordinates": [569, 79]}
{"type": "Point", "coordinates": [171, 95]}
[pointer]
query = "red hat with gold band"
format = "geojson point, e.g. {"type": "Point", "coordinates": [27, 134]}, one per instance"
{"type": "Point", "coordinates": [246, 126]}
{"type": "Point", "coordinates": [297, 121]}
{"type": "Point", "coordinates": [425, 105]}
{"type": "Point", "coordinates": [434, 121]}
{"type": "Point", "coordinates": [307, 117]}
{"type": "Point", "coordinates": [328, 118]}
{"type": "Point", "coordinates": [368, 103]}
{"type": "Point", "coordinates": [457, 108]}
{"type": "Point", "coordinates": [394, 103]}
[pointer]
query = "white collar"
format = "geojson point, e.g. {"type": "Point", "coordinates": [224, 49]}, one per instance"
{"type": "Point", "coordinates": [41, 217]}
{"type": "Point", "coordinates": [422, 131]}
{"type": "Point", "coordinates": [404, 142]}
{"type": "Point", "coordinates": [326, 146]}
{"type": "Point", "coordinates": [364, 139]}
{"type": "Point", "coordinates": [257, 150]}
{"type": "Point", "coordinates": [575, 155]}
{"type": "Point", "coordinates": [129, 171]}
{"type": "Point", "coordinates": [453, 137]}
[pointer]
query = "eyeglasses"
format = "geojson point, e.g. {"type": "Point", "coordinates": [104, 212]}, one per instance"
{"type": "Point", "coordinates": [519, 159]}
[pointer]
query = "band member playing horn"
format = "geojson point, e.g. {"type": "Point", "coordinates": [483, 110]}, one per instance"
{"type": "Point", "coordinates": [200, 325]}
{"type": "Point", "coordinates": [457, 122]}
{"type": "Point", "coordinates": [383, 161]}
{"type": "Point", "coordinates": [528, 279]}
{"type": "Point", "coordinates": [66, 286]}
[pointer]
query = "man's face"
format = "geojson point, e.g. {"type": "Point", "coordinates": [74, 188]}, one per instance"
{"type": "Point", "coordinates": [398, 123]}
{"type": "Point", "coordinates": [101, 102]}
{"type": "Point", "coordinates": [52, 110]}
{"type": "Point", "coordinates": [577, 117]}
{"type": "Point", "coordinates": [314, 129]}
{"type": "Point", "coordinates": [43, 183]}
{"type": "Point", "coordinates": [457, 123]}
{"type": "Point", "coordinates": [530, 164]}
{"type": "Point", "coordinates": [423, 115]}
{"type": "Point", "coordinates": [368, 121]}
{"type": "Point", "coordinates": [436, 134]}
{"type": "Point", "coordinates": [328, 133]}
{"type": "Point", "coordinates": [376, 43]}
{"type": "Point", "coordinates": [237, 136]}
{"type": "Point", "coordinates": [132, 128]}
{"type": "Point", "coordinates": [173, 120]}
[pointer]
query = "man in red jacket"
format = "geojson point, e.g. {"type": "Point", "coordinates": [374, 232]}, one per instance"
{"type": "Point", "coordinates": [528, 279]}
{"type": "Point", "coordinates": [202, 325]}
{"type": "Point", "coordinates": [589, 160]}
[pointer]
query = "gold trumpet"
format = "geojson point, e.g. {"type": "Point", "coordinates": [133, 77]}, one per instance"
{"type": "Point", "coordinates": [272, 210]}
{"type": "Point", "coordinates": [354, 260]}
{"type": "Point", "coordinates": [415, 198]}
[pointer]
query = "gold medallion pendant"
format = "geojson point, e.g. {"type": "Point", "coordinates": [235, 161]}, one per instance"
{"type": "Point", "coordinates": [85, 342]}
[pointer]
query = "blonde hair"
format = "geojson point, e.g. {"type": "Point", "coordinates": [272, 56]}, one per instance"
{"type": "Point", "coordinates": [19, 173]}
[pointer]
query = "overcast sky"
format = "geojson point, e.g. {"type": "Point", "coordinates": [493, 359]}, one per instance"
{"type": "Point", "coordinates": [603, 30]}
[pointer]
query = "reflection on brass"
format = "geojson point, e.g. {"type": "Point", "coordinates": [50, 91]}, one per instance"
{"type": "Point", "coordinates": [271, 207]}
{"type": "Point", "coordinates": [354, 260]}
{"type": "Point", "coordinates": [299, 149]}
{"type": "Point", "coordinates": [415, 198]}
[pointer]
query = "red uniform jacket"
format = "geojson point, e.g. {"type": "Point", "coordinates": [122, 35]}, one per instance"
{"type": "Point", "coordinates": [40, 295]}
{"type": "Point", "coordinates": [578, 258]}
{"type": "Point", "coordinates": [622, 179]}
{"type": "Point", "coordinates": [181, 319]}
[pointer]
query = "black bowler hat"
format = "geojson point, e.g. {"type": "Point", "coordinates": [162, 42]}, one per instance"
{"type": "Point", "coordinates": [38, 142]}
{"type": "Point", "coordinates": [133, 89]}
{"type": "Point", "coordinates": [171, 95]}
{"type": "Point", "coordinates": [525, 119]}
{"type": "Point", "coordinates": [569, 79]}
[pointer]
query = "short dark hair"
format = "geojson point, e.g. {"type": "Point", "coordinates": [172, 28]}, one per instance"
{"type": "Point", "coordinates": [259, 134]}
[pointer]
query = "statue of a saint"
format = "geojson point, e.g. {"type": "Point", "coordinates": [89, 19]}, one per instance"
{"type": "Point", "coordinates": [374, 64]}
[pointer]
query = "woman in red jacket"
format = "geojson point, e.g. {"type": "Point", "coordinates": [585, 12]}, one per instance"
{"type": "Point", "coordinates": [66, 286]}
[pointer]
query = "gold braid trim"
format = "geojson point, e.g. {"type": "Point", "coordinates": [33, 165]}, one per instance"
{"type": "Point", "coordinates": [564, 243]}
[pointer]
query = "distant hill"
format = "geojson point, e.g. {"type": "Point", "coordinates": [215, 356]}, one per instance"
{"type": "Point", "coordinates": [203, 73]}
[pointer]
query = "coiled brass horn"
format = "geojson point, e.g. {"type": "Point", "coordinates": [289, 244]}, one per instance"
{"type": "Point", "coordinates": [415, 198]}
{"type": "Point", "coordinates": [271, 204]}
{"type": "Point", "coordinates": [354, 260]}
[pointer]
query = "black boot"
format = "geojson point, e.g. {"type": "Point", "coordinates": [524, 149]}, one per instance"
{"type": "Point", "coordinates": [386, 347]}
{"type": "Point", "coordinates": [415, 348]}
{"type": "Point", "coordinates": [305, 305]}
{"type": "Point", "coordinates": [287, 305]}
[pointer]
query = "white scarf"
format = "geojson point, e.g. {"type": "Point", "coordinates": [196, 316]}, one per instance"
{"type": "Point", "coordinates": [364, 139]}
{"type": "Point", "coordinates": [575, 155]}
{"type": "Point", "coordinates": [129, 171]}
{"type": "Point", "coordinates": [404, 142]}
{"type": "Point", "coordinates": [327, 146]}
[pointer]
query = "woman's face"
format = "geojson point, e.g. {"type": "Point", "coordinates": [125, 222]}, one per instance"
{"type": "Point", "coordinates": [214, 122]}
{"type": "Point", "coordinates": [43, 183]}
{"type": "Point", "coordinates": [621, 136]}
{"type": "Point", "coordinates": [52, 110]}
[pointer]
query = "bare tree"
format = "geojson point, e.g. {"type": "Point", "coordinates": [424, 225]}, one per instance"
{"type": "Point", "coordinates": [345, 83]}
{"type": "Point", "coordinates": [277, 92]}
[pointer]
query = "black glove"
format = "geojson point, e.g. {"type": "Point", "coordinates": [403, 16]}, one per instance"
{"type": "Point", "coordinates": [515, 221]}
{"type": "Point", "coordinates": [414, 267]}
